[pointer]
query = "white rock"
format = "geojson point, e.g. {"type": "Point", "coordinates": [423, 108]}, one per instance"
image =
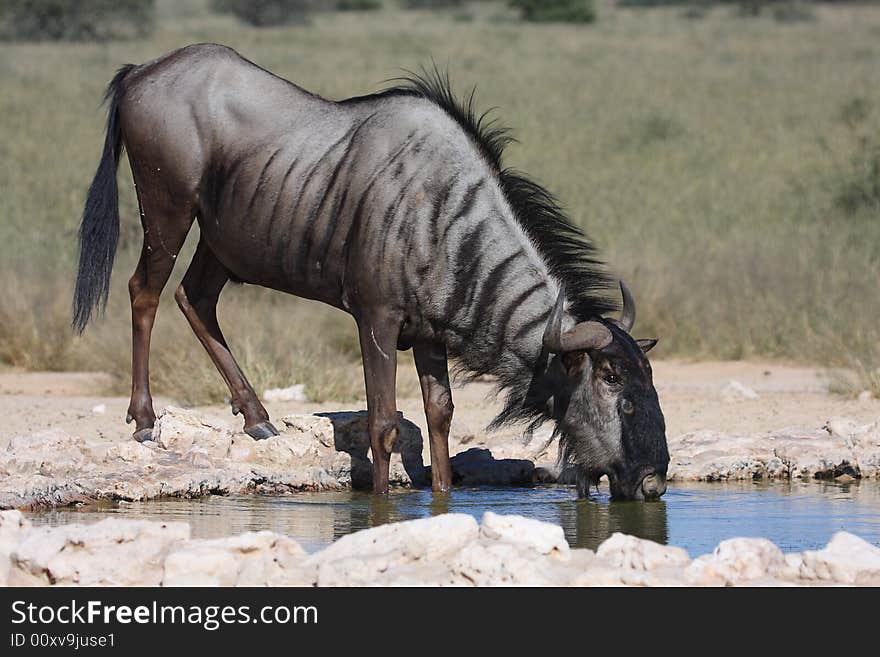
{"type": "Point", "coordinates": [865, 396]}
{"type": "Point", "coordinates": [113, 552]}
{"type": "Point", "coordinates": [843, 428]}
{"type": "Point", "coordinates": [503, 564]}
{"type": "Point", "coordinates": [840, 448]}
{"type": "Point", "coordinates": [425, 538]}
{"type": "Point", "coordinates": [13, 526]}
{"type": "Point", "coordinates": [26, 453]}
{"type": "Point", "coordinates": [319, 427]}
{"type": "Point", "coordinates": [737, 560]}
{"type": "Point", "coordinates": [626, 551]}
{"type": "Point", "coordinates": [370, 556]}
{"type": "Point", "coordinates": [179, 430]}
{"type": "Point", "coordinates": [99, 409]}
{"type": "Point", "coordinates": [265, 558]}
{"type": "Point", "coordinates": [734, 390]}
{"type": "Point", "coordinates": [200, 565]}
{"type": "Point", "coordinates": [793, 566]}
{"type": "Point", "coordinates": [424, 574]}
{"type": "Point", "coordinates": [251, 559]}
{"type": "Point", "coordinates": [542, 537]}
{"type": "Point", "coordinates": [599, 576]}
{"type": "Point", "coordinates": [446, 550]}
{"type": "Point", "coordinates": [292, 393]}
{"type": "Point", "coordinates": [846, 559]}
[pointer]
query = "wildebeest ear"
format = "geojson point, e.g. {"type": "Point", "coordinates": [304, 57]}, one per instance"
{"type": "Point", "coordinates": [646, 344]}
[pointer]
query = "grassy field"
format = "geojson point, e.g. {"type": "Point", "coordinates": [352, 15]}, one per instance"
{"type": "Point", "coordinates": [727, 167]}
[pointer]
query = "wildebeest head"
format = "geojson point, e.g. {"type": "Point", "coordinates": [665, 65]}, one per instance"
{"type": "Point", "coordinates": [605, 404]}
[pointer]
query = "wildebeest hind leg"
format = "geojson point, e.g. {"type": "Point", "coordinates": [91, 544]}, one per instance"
{"type": "Point", "coordinates": [164, 235]}
{"type": "Point", "coordinates": [197, 297]}
{"type": "Point", "coordinates": [378, 332]}
{"type": "Point", "coordinates": [433, 369]}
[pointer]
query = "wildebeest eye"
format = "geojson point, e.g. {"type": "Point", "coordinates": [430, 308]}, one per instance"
{"type": "Point", "coordinates": [627, 406]}
{"type": "Point", "coordinates": [611, 379]}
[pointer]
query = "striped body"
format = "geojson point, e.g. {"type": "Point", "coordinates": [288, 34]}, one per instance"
{"type": "Point", "coordinates": [386, 189]}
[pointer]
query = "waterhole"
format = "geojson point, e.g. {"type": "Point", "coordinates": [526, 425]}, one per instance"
{"type": "Point", "coordinates": [799, 515]}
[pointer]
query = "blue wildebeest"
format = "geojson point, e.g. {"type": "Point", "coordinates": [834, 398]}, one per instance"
{"type": "Point", "coordinates": [393, 207]}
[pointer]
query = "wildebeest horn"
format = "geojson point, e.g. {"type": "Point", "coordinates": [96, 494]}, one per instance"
{"type": "Point", "coordinates": [553, 332]}
{"type": "Point", "coordinates": [586, 335]}
{"type": "Point", "coordinates": [628, 314]}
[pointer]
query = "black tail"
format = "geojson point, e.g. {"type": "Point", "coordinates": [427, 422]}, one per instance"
{"type": "Point", "coordinates": [99, 230]}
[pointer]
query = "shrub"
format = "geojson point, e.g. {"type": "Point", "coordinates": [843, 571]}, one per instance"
{"type": "Point", "coordinates": [855, 178]}
{"type": "Point", "coordinates": [855, 111]}
{"type": "Point", "coordinates": [650, 128]}
{"type": "Point", "coordinates": [784, 11]}
{"type": "Point", "coordinates": [75, 20]}
{"type": "Point", "coordinates": [792, 12]}
{"type": "Point", "coordinates": [693, 8]}
{"type": "Point", "coordinates": [653, 3]}
{"type": "Point", "coordinates": [432, 4]}
{"type": "Point", "coordinates": [265, 13]}
{"type": "Point", "coordinates": [557, 11]}
{"type": "Point", "coordinates": [658, 127]}
{"type": "Point", "coordinates": [859, 184]}
{"type": "Point", "coordinates": [694, 12]}
{"type": "Point", "coordinates": [358, 5]}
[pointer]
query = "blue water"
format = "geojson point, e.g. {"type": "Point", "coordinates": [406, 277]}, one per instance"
{"type": "Point", "coordinates": [696, 516]}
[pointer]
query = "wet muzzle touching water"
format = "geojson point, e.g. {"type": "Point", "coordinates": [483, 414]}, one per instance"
{"type": "Point", "coordinates": [650, 486]}
{"type": "Point", "coordinates": [653, 486]}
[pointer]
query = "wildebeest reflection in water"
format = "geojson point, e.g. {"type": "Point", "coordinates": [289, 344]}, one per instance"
{"type": "Point", "coordinates": [587, 522]}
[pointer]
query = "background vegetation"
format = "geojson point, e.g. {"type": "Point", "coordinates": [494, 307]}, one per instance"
{"type": "Point", "coordinates": [727, 167]}
{"type": "Point", "coordinates": [75, 20]}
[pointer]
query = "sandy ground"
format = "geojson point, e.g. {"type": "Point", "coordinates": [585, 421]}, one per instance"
{"type": "Point", "coordinates": [690, 394]}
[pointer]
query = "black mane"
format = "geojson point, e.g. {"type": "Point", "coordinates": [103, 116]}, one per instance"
{"type": "Point", "coordinates": [568, 252]}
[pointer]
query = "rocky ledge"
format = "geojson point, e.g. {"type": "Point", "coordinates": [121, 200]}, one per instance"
{"type": "Point", "coordinates": [841, 449]}
{"type": "Point", "coordinates": [190, 457]}
{"type": "Point", "coordinates": [445, 550]}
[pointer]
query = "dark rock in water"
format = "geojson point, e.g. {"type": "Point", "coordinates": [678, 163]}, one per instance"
{"type": "Point", "coordinates": [477, 467]}
{"type": "Point", "coordinates": [546, 475]}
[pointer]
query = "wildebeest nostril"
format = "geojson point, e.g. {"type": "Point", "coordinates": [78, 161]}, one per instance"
{"type": "Point", "coordinates": [654, 485]}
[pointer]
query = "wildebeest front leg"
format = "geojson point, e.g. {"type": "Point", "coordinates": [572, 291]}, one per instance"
{"type": "Point", "coordinates": [197, 297]}
{"type": "Point", "coordinates": [378, 334]}
{"type": "Point", "coordinates": [433, 369]}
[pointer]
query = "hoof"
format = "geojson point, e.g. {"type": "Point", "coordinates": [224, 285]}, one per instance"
{"type": "Point", "coordinates": [143, 435]}
{"type": "Point", "coordinates": [261, 431]}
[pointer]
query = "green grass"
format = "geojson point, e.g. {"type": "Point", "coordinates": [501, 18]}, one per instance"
{"type": "Point", "coordinates": [723, 166]}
